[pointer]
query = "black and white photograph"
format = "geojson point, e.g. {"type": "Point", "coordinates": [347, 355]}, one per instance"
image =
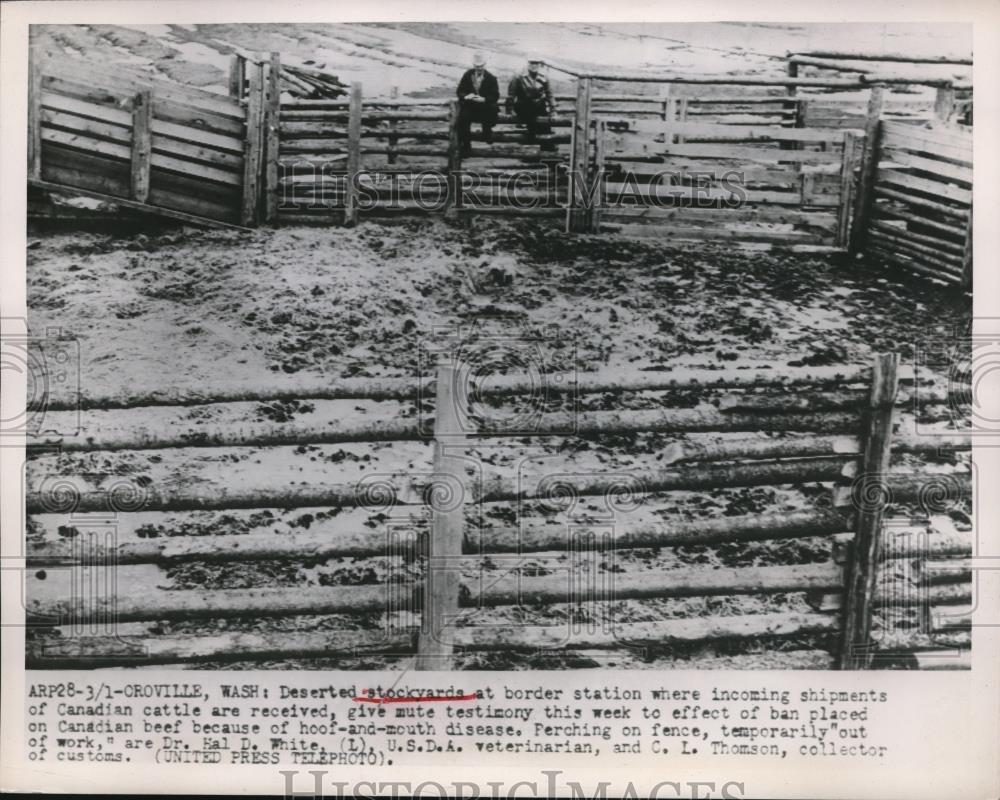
{"type": "Point", "coordinates": [509, 346]}
{"type": "Point", "coordinates": [623, 373]}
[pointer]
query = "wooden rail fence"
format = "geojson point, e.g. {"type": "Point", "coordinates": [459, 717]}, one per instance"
{"type": "Point", "coordinates": [847, 413]}
{"type": "Point", "coordinates": [801, 162]}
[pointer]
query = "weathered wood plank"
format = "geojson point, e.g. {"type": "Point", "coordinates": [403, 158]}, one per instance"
{"type": "Point", "coordinates": [447, 535]}
{"type": "Point", "coordinates": [920, 202]}
{"type": "Point", "coordinates": [62, 188]}
{"type": "Point", "coordinates": [522, 590]}
{"type": "Point", "coordinates": [882, 226]}
{"type": "Point", "coordinates": [578, 214]}
{"type": "Point", "coordinates": [353, 156]}
{"type": "Point", "coordinates": [272, 141]}
{"type": "Point", "coordinates": [955, 172]}
{"type": "Point", "coordinates": [776, 133]}
{"type": "Point", "coordinates": [934, 188]}
{"type": "Point", "coordinates": [867, 169]}
{"type": "Point", "coordinates": [747, 153]}
{"type": "Point", "coordinates": [253, 145]}
{"type": "Point", "coordinates": [212, 494]}
{"type": "Point", "coordinates": [142, 145]}
{"type": "Point", "coordinates": [859, 588]}
{"type": "Point", "coordinates": [846, 191]}
{"type": "Point", "coordinates": [35, 67]}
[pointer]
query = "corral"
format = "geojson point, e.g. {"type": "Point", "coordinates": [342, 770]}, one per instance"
{"type": "Point", "coordinates": [670, 494]}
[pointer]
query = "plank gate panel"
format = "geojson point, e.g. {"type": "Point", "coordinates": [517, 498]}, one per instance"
{"type": "Point", "coordinates": [922, 214]}
{"type": "Point", "coordinates": [737, 168]}
{"type": "Point", "coordinates": [182, 155]}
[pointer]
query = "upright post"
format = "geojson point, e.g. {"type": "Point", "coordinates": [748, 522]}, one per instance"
{"type": "Point", "coordinates": [271, 124]}
{"type": "Point", "coordinates": [392, 139]}
{"type": "Point", "coordinates": [599, 158]}
{"type": "Point", "coordinates": [944, 103]}
{"type": "Point", "coordinates": [846, 189]}
{"type": "Point", "coordinates": [253, 145]}
{"type": "Point", "coordinates": [871, 498]}
{"type": "Point", "coordinates": [578, 216]}
{"type": "Point", "coordinates": [682, 116]}
{"type": "Point", "coordinates": [353, 156]}
{"type": "Point", "coordinates": [442, 581]}
{"type": "Point", "coordinates": [454, 199]}
{"type": "Point", "coordinates": [967, 255]}
{"type": "Point", "coordinates": [792, 106]}
{"type": "Point", "coordinates": [237, 75]}
{"type": "Point", "coordinates": [869, 165]}
{"type": "Point", "coordinates": [142, 144]}
{"type": "Point", "coordinates": [34, 116]}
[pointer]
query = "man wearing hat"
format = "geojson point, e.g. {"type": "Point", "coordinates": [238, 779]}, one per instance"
{"type": "Point", "coordinates": [530, 97]}
{"type": "Point", "coordinates": [478, 96]}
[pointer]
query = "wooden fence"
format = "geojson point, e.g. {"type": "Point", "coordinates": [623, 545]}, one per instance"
{"type": "Point", "coordinates": [681, 158]}
{"type": "Point", "coordinates": [143, 143]}
{"type": "Point", "coordinates": [920, 216]}
{"type": "Point", "coordinates": [845, 423]}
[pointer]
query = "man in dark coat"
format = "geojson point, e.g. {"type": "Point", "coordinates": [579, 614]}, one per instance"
{"type": "Point", "coordinates": [530, 97]}
{"type": "Point", "coordinates": [478, 97]}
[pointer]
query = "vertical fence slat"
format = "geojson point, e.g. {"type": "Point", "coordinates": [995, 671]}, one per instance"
{"type": "Point", "coordinates": [442, 581]}
{"type": "Point", "coordinates": [392, 140]}
{"type": "Point", "coordinates": [237, 75]}
{"type": "Point", "coordinates": [846, 189]}
{"type": "Point", "coordinates": [35, 67]}
{"type": "Point", "coordinates": [967, 255]}
{"type": "Point", "coordinates": [577, 216]}
{"type": "Point", "coordinates": [944, 103]}
{"type": "Point", "coordinates": [271, 126]}
{"type": "Point", "coordinates": [353, 156]}
{"type": "Point", "coordinates": [871, 495]}
{"type": "Point", "coordinates": [453, 201]}
{"type": "Point", "coordinates": [600, 132]}
{"type": "Point", "coordinates": [253, 145]}
{"type": "Point", "coordinates": [869, 165]}
{"type": "Point", "coordinates": [142, 144]}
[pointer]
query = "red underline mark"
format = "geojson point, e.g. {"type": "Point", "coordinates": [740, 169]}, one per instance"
{"type": "Point", "coordinates": [454, 698]}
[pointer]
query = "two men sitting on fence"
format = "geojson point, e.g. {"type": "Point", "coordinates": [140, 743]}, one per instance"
{"type": "Point", "coordinates": [478, 99]}
{"type": "Point", "coordinates": [528, 97]}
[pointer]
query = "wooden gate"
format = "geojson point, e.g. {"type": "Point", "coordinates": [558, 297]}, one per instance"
{"type": "Point", "coordinates": [146, 144]}
{"type": "Point", "coordinates": [692, 180]}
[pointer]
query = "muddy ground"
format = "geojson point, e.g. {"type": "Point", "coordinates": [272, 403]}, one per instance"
{"type": "Point", "coordinates": [185, 307]}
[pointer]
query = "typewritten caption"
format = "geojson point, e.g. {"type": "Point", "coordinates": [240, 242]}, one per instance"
{"type": "Point", "coordinates": [225, 720]}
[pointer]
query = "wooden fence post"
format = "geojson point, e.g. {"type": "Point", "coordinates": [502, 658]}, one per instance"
{"type": "Point", "coordinates": [454, 199]}
{"type": "Point", "coordinates": [846, 189]}
{"type": "Point", "coordinates": [869, 166]}
{"type": "Point", "coordinates": [442, 580]}
{"type": "Point", "coordinates": [237, 75]}
{"type": "Point", "coordinates": [600, 130]}
{"type": "Point", "coordinates": [35, 67]}
{"type": "Point", "coordinates": [392, 139]}
{"type": "Point", "coordinates": [353, 156]}
{"type": "Point", "coordinates": [253, 146]}
{"type": "Point", "coordinates": [577, 216]}
{"type": "Point", "coordinates": [870, 497]}
{"type": "Point", "coordinates": [967, 255]}
{"type": "Point", "coordinates": [944, 103]}
{"type": "Point", "coordinates": [271, 123]}
{"type": "Point", "coordinates": [142, 144]}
